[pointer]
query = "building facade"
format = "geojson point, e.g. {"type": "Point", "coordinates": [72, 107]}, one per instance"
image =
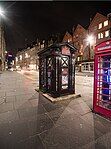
{"type": "Point", "coordinates": [99, 30]}
{"type": "Point", "coordinates": [2, 49]}
{"type": "Point", "coordinates": [27, 58]}
{"type": "Point", "coordinates": [67, 37]}
{"type": "Point", "coordinates": [83, 39]}
{"type": "Point", "coordinates": [79, 41]}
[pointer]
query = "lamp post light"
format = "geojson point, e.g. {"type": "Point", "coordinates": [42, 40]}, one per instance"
{"type": "Point", "coordinates": [90, 42]}
{"type": "Point", "coordinates": [2, 12]}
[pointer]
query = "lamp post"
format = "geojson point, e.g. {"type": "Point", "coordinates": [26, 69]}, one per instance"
{"type": "Point", "coordinates": [90, 41]}
{"type": "Point", "coordinates": [109, 19]}
{"type": "Point", "coordinates": [1, 38]}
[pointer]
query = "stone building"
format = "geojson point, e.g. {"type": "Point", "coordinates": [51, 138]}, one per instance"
{"type": "Point", "coordinates": [27, 58]}
{"type": "Point", "coordinates": [99, 30]}
{"type": "Point", "coordinates": [79, 41]}
{"type": "Point", "coordinates": [2, 49]}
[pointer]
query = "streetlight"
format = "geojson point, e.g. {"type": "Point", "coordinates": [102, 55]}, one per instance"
{"type": "Point", "coordinates": [90, 41]}
{"type": "Point", "coordinates": [1, 11]}
{"type": "Point", "coordinates": [109, 19]}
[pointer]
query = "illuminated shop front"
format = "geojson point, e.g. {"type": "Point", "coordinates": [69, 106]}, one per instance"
{"type": "Point", "coordinates": [57, 69]}
{"type": "Point", "coordinates": [102, 79]}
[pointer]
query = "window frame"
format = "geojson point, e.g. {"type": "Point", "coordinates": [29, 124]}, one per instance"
{"type": "Point", "coordinates": [105, 24]}
{"type": "Point", "coordinates": [100, 25]}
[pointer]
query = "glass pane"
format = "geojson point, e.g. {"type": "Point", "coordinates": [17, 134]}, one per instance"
{"type": "Point", "coordinates": [64, 80]}
{"type": "Point", "coordinates": [49, 81]}
{"type": "Point", "coordinates": [49, 71]}
{"type": "Point", "coordinates": [64, 61]}
{"type": "Point", "coordinates": [64, 71]}
{"type": "Point", "coordinates": [104, 82]}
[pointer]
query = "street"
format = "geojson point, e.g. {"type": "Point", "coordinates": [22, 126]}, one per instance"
{"type": "Point", "coordinates": [30, 121]}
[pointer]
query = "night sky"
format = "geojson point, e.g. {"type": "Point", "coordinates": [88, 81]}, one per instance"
{"type": "Point", "coordinates": [27, 21]}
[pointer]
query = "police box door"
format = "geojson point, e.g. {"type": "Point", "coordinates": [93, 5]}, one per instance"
{"type": "Point", "coordinates": [64, 74]}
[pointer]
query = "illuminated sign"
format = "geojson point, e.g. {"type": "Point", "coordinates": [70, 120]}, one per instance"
{"type": "Point", "coordinates": [105, 47]}
{"type": "Point", "coordinates": [10, 55]}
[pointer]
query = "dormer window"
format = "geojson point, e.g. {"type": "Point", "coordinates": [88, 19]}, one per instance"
{"type": "Point", "coordinates": [100, 26]}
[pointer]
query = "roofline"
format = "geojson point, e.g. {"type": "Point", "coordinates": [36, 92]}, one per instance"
{"type": "Point", "coordinates": [56, 45]}
{"type": "Point", "coordinates": [94, 18]}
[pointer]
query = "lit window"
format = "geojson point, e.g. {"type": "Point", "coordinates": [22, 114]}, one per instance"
{"type": "Point", "coordinates": [26, 55]}
{"type": "Point", "coordinates": [78, 59]}
{"type": "Point", "coordinates": [42, 45]}
{"type": "Point", "coordinates": [16, 59]}
{"type": "Point", "coordinates": [106, 33]}
{"type": "Point", "coordinates": [100, 26]}
{"type": "Point", "coordinates": [106, 23]}
{"type": "Point", "coordinates": [69, 40]}
{"type": "Point", "coordinates": [20, 57]}
{"type": "Point", "coordinates": [99, 36]}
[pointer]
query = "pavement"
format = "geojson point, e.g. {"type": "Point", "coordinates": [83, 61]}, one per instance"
{"type": "Point", "coordinates": [88, 74]}
{"type": "Point", "coordinates": [29, 121]}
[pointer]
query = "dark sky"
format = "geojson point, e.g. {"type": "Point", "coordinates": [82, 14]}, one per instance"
{"type": "Point", "coordinates": [27, 21]}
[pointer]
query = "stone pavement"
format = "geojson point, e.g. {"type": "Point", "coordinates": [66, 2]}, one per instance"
{"type": "Point", "coordinates": [29, 121]}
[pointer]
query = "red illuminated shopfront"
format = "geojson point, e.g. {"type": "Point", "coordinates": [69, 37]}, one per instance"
{"type": "Point", "coordinates": [102, 79]}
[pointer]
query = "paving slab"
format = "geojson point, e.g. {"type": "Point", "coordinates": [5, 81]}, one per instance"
{"type": "Point", "coordinates": [28, 120]}
{"type": "Point", "coordinates": [68, 137]}
{"type": "Point", "coordinates": [9, 116]}
{"type": "Point", "coordinates": [27, 113]}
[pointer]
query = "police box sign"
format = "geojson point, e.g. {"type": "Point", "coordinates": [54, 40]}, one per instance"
{"type": "Point", "coordinates": [104, 46]}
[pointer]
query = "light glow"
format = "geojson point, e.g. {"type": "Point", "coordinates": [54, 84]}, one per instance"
{"type": "Point", "coordinates": [90, 39]}
{"type": "Point", "coordinates": [1, 11]}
